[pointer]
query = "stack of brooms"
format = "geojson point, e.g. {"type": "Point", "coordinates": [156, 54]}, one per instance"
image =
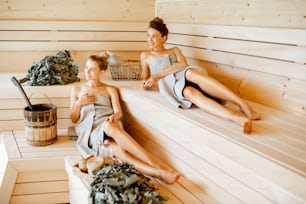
{"type": "Point", "coordinates": [118, 183]}
{"type": "Point", "coordinates": [51, 70]}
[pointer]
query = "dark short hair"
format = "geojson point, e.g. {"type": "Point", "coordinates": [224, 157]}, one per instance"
{"type": "Point", "coordinates": [158, 24]}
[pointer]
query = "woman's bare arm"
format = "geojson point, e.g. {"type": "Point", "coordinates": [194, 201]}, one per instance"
{"type": "Point", "coordinates": [115, 100]}
{"type": "Point", "coordinates": [181, 62]}
{"type": "Point", "coordinates": [75, 104]}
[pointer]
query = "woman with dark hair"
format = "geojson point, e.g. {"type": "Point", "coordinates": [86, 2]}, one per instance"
{"type": "Point", "coordinates": [96, 111]}
{"type": "Point", "coordinates": [183, 85]}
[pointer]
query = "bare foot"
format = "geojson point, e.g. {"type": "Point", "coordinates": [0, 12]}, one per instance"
{"type": "Point", "coordinates": [247, 126]}
{"type": "Point", "coordinates": [244, 122]}
{"type": "Point", "coordinates": [168, 177]}
{"type": "Point", "coordinates": [249, 112]}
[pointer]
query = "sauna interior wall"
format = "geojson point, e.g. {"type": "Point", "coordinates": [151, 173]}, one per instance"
{"type": "Point", "coordinates": [68, 11]}
{"type": "Point", "coordinates": [288, 93]}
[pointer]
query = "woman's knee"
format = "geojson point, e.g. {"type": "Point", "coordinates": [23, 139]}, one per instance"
{"type": "Point", "coordinates": [189, 92]}
{"type": "Point", "coordinates": [109, 128]}
{"type": "Point", "coordinates": [116, 149]}
{"type": "Point", "coordinates": [193, 75]}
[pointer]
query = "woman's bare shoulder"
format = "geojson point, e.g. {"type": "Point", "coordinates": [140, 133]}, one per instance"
{"type": "Point", "coordinates": [174, 49]}
{"type": "Point", "coordinates": [76, 88]}
{"type": "Point", "coordinates": [111, 88]}
{"type": "Point", "coordinates": [145, 54]}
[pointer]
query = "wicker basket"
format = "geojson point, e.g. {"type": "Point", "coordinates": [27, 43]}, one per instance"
{"type": "Point", "coordinates": [77, 171]}
{"type": "Point", "coordinates": [129, 70]}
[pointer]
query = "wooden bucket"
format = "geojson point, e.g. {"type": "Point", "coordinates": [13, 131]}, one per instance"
{"type": "Point", "coordinates": [41, 124]}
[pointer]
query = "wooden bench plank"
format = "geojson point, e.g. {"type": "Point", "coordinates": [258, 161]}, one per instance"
{"type": "Point", "coordinates": [48, 187]}
{"type": "Point", "coordinates": [8, 179]}
{"type": "Point", "coordinates": [39, 176]}
{"type": "Point", "coordinates": [48, 198]}
{"type": "Point", "coordinates": [9, 145]}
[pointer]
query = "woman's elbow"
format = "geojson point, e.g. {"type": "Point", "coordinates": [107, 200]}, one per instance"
{"type": "Point", "coordinates": [73, 118]}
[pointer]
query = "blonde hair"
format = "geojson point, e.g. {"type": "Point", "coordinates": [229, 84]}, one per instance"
{"type": "Point", "coordinates": [101, 59]}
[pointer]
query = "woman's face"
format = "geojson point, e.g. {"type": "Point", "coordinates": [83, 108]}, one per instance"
{"type": "Point", "coordinates": [155, 39]}
{"type": "Point", "coordinates": [92, 70]}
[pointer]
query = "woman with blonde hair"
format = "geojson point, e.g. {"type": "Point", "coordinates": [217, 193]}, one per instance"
{"type": "Point", "coordinates": [96, 111]}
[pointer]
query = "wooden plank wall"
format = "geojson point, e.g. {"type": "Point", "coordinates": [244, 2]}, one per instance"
{"type": "Point", "coordinates": [257, 13]}
{"type": "Point", "coordinates": [31, 30]}
{"type": "Point", "coordinates": [277, 78]}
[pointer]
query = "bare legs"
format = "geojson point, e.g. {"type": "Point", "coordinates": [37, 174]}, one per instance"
{"type": "Point", "coordinates": [218, 90]}
{"type": "Point", "coordinates": [128, 150]}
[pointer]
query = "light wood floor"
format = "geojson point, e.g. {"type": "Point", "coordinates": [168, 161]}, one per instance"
{"type": "Point", "coordinates": [19, 149]}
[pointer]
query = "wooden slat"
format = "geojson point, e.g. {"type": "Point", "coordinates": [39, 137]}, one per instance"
{"type": "Point", "coordinates": [64, 146]}
{"type": "Point", "coordinates": [95, 10]}
{"type": "Point", "coordinates": [37, 164]}
{"type": "Point", "coordinates": [40, 176]}
{"type": "Point", "coordinates": [20, 103]}
{"type": "Point", "coordinates": [27, 58]}
{"type": "Point", "coordinates": [8, 175]}
{"type": "Point", "coordinates": [287, 69]}
{"type": "Point", "coordinates": [272, 35]}
{"type": "Point", "coordinates": [274, 13]}
{"type": "Point", "coordinates": [48, 198]}
{"type": "Point", "coordinates": [94, 46]}
{"type": "Point", "coordinates": [72, 36]}
{"type": "Point", "coordinates": [9, 145]}
{"type": "Point", "coordinates": [40, 188]}
{"type": "Point", "coordinates": [284, 52]}
{"type": "Point", "coordinates": [18, 25]}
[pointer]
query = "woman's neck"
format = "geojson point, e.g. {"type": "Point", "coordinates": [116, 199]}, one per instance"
{"type": "Point", "coordinates": [94, 83]}
{"type": "Point", "coordinates": [159, 49]}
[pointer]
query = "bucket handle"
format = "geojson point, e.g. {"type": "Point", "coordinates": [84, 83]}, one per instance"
{"type": "Point", "coordinates": [41, 94]}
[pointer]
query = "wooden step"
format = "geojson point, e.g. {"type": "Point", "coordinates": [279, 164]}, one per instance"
{"type": "Point", "coordinates": [202, 141]}
{"type": "Point", "coordinates": [35, 181]}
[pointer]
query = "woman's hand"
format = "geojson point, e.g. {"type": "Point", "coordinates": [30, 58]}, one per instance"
{"type": "Point", "coordinates": [112, 119]}
{"type": "Point", "coordinates": [150, 81]}
{"type": "Point", "coordinates": [87, 99]}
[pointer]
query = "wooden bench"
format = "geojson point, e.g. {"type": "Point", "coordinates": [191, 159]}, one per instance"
{"type": "Point", "coordinates": [32, 174]}
{"type": "Point", "coordinates": [218, 163]}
